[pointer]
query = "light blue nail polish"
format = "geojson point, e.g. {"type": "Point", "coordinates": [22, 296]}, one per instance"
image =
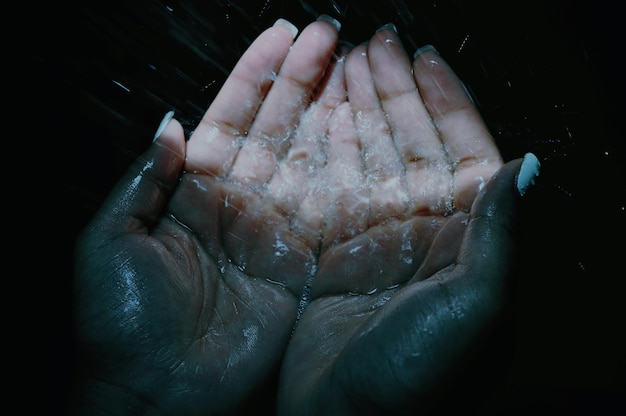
{"type": "Point", "coordinates": [163, 125]}
{"type": "Point", "coordinates": [527, 173]}
{"type": "Point", "coordinates": [388, 26]}
{"type": "Point", "coordinates": [423, 49]}
{"type": "Point", "coordinates": [288, 25]}
{"type": "Point", "coordinates": [328, 19]}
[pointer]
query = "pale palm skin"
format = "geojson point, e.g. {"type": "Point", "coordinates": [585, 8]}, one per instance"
{"type": "Point", "coordinates": [323, 243]}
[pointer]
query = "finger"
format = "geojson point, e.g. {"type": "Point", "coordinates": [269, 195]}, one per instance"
{"type": "Point", "coordinates": [413, 131]}
{"type": "Point", "coordinates": [426, 169]}
{"type": "Point", "coordinates": [381, 161]}
{"type": "Point", "coordinates": [215, 142]}
{"type": "Point", "coordinates": [291, 93]}
{"type": "Point", "coordinates": [332, 89]}
{"type": "Point", "coordinates": [307, 154]}
{"type": "Point", "coordinates": [140, 196]}
{"type": "Point", "coordinates": [381, 157]}
{"type": "Point", "coordinates": [347, 213]}
{"type": "Point", "coordinates": [490, 240]}
{"type": "Point", "coordinates": [296, 185]}
{"type": "Point", "coordinates": [462, 130]}
{"type": "Point", "coordinates": [461, 127]}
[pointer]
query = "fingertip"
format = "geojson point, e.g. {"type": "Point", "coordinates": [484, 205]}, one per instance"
{"type": "Point", "coordinates": [491, 237]}
{"type": "Point", "coordinates": [170, 134]}
{"type": "Point", "coordinates": [164, 123]}
{"type": "Point", "coordinates": [424, 49]}
{"type": "Point", "coordinates": [356, 58]}
{"type": "Point", "coordinates": [499, 189]}
{"type": "Point", "coordinates": [387, 27]}
{"type": "Point", "coordinates": [293, 30]}
{"type": "Point", "coordinates": [428, 62]}
{"type": "Point", "coordinates": [329, 19]}
{"type": "Point", "coordinates": [143, 191]}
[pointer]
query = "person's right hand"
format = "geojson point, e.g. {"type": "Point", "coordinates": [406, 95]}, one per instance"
{"type": "Point", "coordinates": [189, 278]}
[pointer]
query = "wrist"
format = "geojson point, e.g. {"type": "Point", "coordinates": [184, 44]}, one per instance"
{"type": "Point", "coordinates": [100, 398]}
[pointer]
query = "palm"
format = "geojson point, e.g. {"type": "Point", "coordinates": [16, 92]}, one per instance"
{"type": "Point", "coordinates": [366, 335]}
{"type": "Point", "coordinates": [176, 308]}
{"type": "Point", "coordinates": [323, 217]}
{"type": "Point", "coordinates": [349, 204]}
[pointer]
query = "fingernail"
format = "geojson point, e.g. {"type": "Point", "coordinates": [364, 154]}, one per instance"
{"type": "Point", "coordinates": [331, 20]}
{"type": "Point", "coordinates": [423, 49]}
{"type": "Point", "coordinates": [288, 25]}
{"type": "Point", "coordinates": [388, 26]}
{"type": "Point", "coordinates": [163, 125]}
{"type": "Point", "coordinates": [527, 173]}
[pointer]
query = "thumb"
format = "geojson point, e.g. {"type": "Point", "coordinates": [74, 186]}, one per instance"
{"type": "Point", "coordinates": [489, 246]}
{"type": "Point", "coordinates": [140, 196]}
{"type": "Point", "coordinates": [439, 326]}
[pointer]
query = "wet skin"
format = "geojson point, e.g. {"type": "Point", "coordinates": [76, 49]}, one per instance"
{"type": "Point", "coordinates": [334, 229]}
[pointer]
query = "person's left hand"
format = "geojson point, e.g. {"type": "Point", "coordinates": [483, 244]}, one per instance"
{"type": "Point", "coordinates": [418, 247]}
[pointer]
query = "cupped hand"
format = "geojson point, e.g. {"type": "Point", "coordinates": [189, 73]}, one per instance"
{"type": "Point", "coordinates": [189, 278]}
{"type": "Point", "coordinates": [419, 270]}
{"type": "Point", "coordinates": [341, 208]}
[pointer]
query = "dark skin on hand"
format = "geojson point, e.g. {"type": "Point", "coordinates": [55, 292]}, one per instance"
{"type": "Point", "coordinates": [337, 236]}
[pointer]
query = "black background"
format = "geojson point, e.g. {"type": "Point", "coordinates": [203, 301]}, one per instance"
{"type": "Point", "coordinates": [88, 83]}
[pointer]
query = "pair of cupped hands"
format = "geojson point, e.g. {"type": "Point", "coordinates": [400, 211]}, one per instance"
{"type": "Point", "coordinates": [337, 236]}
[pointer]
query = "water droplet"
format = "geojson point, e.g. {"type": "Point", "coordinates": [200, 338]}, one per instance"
{"type": "Point", "coordinates": [355, 249]}
{"type": "Point", "coordinates": [280, 247]}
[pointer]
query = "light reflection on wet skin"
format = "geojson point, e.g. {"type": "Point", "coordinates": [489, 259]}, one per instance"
{"type": "Point", "coordinates": [547, 124]}
{"type": "Point", "coordinates": [525, 79]}
{"type": "Point", "coordinates": [543, 124]}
